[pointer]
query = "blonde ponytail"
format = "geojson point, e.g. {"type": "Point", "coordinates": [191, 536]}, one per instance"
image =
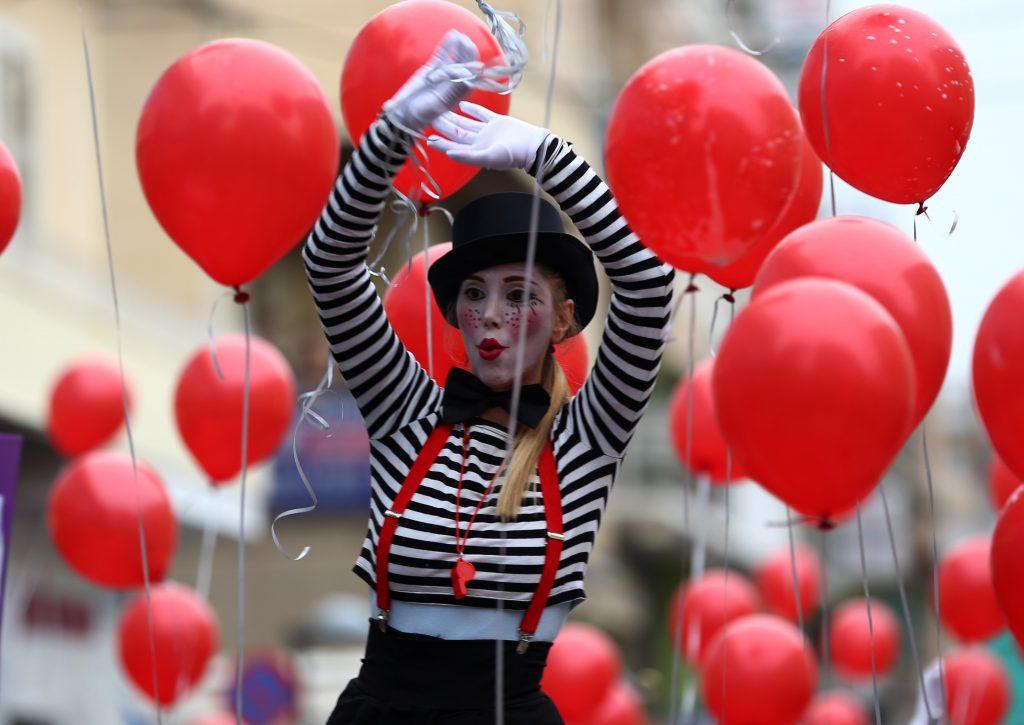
{"type": "Point", "coordinates": [530, 443]}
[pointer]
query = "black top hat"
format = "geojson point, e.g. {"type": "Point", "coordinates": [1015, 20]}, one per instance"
{"type": "Point", "coordinates": [495, 229]}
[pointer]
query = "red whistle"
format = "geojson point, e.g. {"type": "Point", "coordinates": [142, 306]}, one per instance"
{"type": "Point", "coordinates": [462, 573]}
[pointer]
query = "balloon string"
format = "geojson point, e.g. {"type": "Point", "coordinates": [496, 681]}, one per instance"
{"type": "Point", "coordinates": [903, 601]}
{"type": "Point", "coordinates": [698, 565]}
{"type": "Point", "coordinates": [793, 573]}
{"type": "Point", "coordinates": [935, 559]}
{"type": "Point", "coordinates": [824, 109]}
{"type": "Point", "coordinates": [826, 663]}
{"type": "Point", "coordinates": [306, 401]}
{"type": "Point", "coordinates": [426, 297]}
{"type": "Point", "coordinates": [691, 291]}
{"type": "Point", "coordinates": [730, 298]}
{"type": "Point", "coordinates": [871, 623]}
{"type": "Point", "coordinates": [143, 549]}
{"type": "Point", "coordinates": [242, 299]}
{"type": "Point", "coordinates": [725, 553]}
{"type": "Point", "coordinates": [520, 361]}
{"type": "Point", "coordinates": [691, 288]}
{"type": "Point", "coordinates": [429, 187]}
{"type": "Point", "coordinates": [923, 210]}
{"type": "Point", "coordinates": [204, 574]}
{"type": "Point", "coordinates": [730, 21]}
{"type": "Point", "coordinates": [504, 79]}
{"type": "Point", "coordinates": [407, 218]}
{"type": "Point", "coordinates": [209, 334]}
{"type": "Point", "coordinates": [425, 211]}
{"type": "Point", "coordinates": [725, 590]}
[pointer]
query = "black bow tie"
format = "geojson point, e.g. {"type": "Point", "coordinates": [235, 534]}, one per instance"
{"type": "Point", "coordinates": [466, 397]}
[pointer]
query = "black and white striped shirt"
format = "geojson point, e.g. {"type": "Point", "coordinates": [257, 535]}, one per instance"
{"type": "Point", "coordinates": [401, 403]}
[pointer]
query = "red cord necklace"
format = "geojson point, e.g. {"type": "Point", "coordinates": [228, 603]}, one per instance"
{"type": "Point", "coordinates": [464, 571]}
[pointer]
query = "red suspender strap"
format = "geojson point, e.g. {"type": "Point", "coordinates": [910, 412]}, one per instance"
{"type": "Point", "coordinates": [553, 550]}
{"type": "Point", "coordinates": [419, 469]}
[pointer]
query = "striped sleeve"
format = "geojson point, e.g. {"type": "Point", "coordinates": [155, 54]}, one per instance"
{"type": "Point", "coordinates": [390, 387]}
{"type": "Point", "coordinates": [609, 406]}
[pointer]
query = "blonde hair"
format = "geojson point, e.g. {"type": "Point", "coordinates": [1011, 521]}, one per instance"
{"type": "Point", "coordinates": [530, 442]}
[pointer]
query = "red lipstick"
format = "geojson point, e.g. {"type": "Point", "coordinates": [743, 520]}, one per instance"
{"type": "Point", "coordinates": [490, 348]}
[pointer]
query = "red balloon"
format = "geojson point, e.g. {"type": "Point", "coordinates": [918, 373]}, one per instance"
{"type": "Point", "coordinates": [967, 599]}
{"type": "Point", "coordinates": [708, 453]}
{"type": "Point", "coordinates": [977, 686]}
{"type": "Point", "coordinates": [815, 411]}
{"type": "Point", "coordinates": [10, 197]}
{"type": "Point", "coordinates": [405, 302]}
{"type": "Point", "coordinates": [886, 264]}
{"type": "Point", "coordinates": [759, 670]}
{"type": "Point", "coordinates": [1002, 482]}
{"type": "Point", "coordinates": [621, 706]}
{"type": "Point", "coordinates": [184, 637]}
{"type": "Point", "coordinates": [583, 666]}
{"type": "Point", "coordinates": [835, 708]}
{"type": "Point", "coordinates": [998, 370]}
{"type": "Point", "coordinates": [712, 130]}
{"type": "Point", "coordinates": [86, 407]}
{"type": "Point", "coordinates": [387, 51]}
{"type": "Point", "coordinates": [93, 514]}
{"type": "Point", "coordinates": [1008, 563]}
{"type": "Point", "coordinates": [237, 151]}
{"type": "Point", "coordinates": [209, 410]}
{"type": "Point", "coordinates": [775, 580]}
{"type": "Point", "coordinates": [851, 639]}
{"type": "Point", "coordinates": [801, 209]}
{"type": "Point", "coordinates": [708, 604]}
{"type": "Point", "coordinates": [899, 100]}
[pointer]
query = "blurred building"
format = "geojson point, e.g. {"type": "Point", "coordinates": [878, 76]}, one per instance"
{"type": "Point", "coordinates": [56, 305]}
{"type": "Point", "coordinates": [59, 660]}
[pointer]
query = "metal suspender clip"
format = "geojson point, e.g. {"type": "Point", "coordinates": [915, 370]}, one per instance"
{"type": "Point", "coordinates": [557, 537]}
{"type": "Point", "coordinates": [382, 620]}
{"type": "Point", "coordinates": [392, 515]}
{"type": "Point", "coordinates": [524, 642]}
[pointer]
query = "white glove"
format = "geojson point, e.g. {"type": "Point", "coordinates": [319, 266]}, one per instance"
{"type": "Point", "coordinates": [438, 85]}
{"type": "Point", "coordinates": [487, 139]}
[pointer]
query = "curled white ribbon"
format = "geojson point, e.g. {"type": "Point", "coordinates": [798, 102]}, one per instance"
{"type": "Point", "coordinates": [306, 400]}
{"type": "Point", "coordinates": [504, 78]}
{"type": "Point", "coordinates": [739, 41]}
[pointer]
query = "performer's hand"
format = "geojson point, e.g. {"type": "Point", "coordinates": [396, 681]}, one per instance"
{"type": "Point", "coordinates": [438, 85]}
{"type": "Point", "coordinates": [487, 139]}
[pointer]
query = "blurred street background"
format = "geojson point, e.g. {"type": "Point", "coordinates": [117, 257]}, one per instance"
{"type": "Point", "coordinates": [306, 620]}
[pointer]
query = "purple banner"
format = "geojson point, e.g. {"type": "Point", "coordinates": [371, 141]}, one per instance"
{"type": "Point", "coordinates": [10, 456]}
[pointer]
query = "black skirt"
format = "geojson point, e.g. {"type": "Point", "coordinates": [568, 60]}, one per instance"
{"type": "Point", "coordinates": [413, 678]}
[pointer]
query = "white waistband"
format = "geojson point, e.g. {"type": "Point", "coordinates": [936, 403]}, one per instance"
{"type": "Point", "coordinates": [453, 621]}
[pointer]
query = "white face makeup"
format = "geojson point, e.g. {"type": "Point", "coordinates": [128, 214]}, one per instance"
{"type": "Point", "coordinates": [492, 306]}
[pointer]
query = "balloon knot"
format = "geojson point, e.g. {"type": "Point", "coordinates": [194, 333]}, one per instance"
{"type": "Point", "coordinates": [424, 209]}
{"type": "Point", "coordinates": [826, 524]}
{"type": "Point", "coordinates": [921, 209]}
{"type": "Point", "coordinates": [728, 297]}
{"type": "Point", "coordinates": [691, 288]}
{"type": "Point", "coordinates": [241, 296]}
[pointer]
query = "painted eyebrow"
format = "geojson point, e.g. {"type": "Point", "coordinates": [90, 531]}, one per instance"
{"type": "Point", "coordinates": [513, 278]}
{"type": "Point", "coordinates": [518, 278]}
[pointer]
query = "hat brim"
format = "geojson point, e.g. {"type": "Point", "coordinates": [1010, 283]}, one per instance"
{"type": "Point", "coordinates": [561, 252]}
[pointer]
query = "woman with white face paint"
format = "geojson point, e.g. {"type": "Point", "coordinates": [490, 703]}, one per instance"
{"type": "Point", "coordinates": [463, 548]}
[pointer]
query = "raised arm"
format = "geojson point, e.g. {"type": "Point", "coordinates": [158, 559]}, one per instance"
{"type": "Point", "coordinates": [390, 387]}
{"type": "Point", "coordinates": [610, 404]}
